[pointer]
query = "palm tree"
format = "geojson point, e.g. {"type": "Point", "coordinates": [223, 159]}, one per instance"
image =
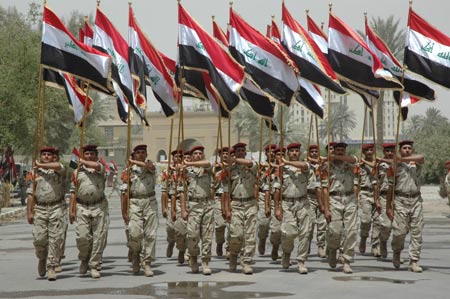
{"type": "Point", "coordinates": [343, 121]}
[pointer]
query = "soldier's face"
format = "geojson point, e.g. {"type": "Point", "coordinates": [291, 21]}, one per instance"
{"type": "Point", "coordinates": [406, 150]}
{"type": "Point", "coordinates": [224, 157]}
{"type": "Point", "coordinates": [388, 153]}
{"type": "Point", "coordinates": [90, 156]}
{"type": "Point", "coordinates": [55, 158]}
{"type": "Point", "coordinates": [187, 158]}
{"type": "Point", "coordinates": [140, 155]}
{"type": "Point", "coordinates": [46, 157]}
{"type": "Point", "coordinates": [197, 155]}
{"type": "Point", "coordinates": [240, 152]}
{"type": "Point", "coordinates": [313, 153]}
{"type": "Point", "coordinates": [278, 156]}
{"type": "Point", "coordinates": [368, 153]}
{"type": "Point", "coordinates": [294, 154]}
{"type": "Point", "coordinates": [339, 151]}
{"type": "Point", "coordinates": [270, 155]}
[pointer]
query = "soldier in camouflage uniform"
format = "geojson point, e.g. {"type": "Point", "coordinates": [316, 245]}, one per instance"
{"type": "Point", "coordinates": [241, 208]}
{"type": "Point", "coordinates": [58, 268]}
{"type": "Point", "coordinates": [89, 208]}
{"type": "Point", "coordinates": [407, 214]}
{"type": "Point", "coordinates": [316, 205]}
{"type": "Point", "coordinates": [340, 205]}
{"type": "Point", "coordinates": [383, 181]}
{"type": "Point", "coordinates": [369, 205]}
{"type": "Point", "coordinates": [200, 220]}
{"type": "Point", "coordinates": [291, 183]}
{"type": "Point", "coordinates": [263, 219]}
{"type": "Point", "coordinates": [46, 210]}
{"type": "Point", "coordinates": [139, 210]}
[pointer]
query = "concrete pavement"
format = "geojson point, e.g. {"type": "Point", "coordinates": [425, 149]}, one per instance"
{"type": "Point", "coordinates": [371, 279]}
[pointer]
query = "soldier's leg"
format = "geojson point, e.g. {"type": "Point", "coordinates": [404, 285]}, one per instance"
{"type": "Point", "coordinates": [275, 234]}
{"type": "Point", "coordinates": [350, 220]}
{"type": "Point", "coordinates": [365, 216]}
{"type": "Point", "coordinates": [219, 226]}
{"type": "Point", "coordinates": [263, 225]}
{"type": "Point", "coordinates": [400, 227]}
{"type": "Point", "coordinates": [56, 228]}
{"type": "Point", "coordinates": [193, 228]}
{"type": "Point", "coordinates": [416, 229]}
{"type": "Point", "coordinates": [83, 233]}
{"type": "Point", "coordinates": [376, 230]}
{"type": "Point", "coordinates": [289, 230]}
{"type": "Point", "coordinates": [170, 231]}
{"type": "Point", "coordinates": [335, 229]}
{"type": "Point", "coordinates": [135, 227]}
{"type": "Point", "coordinates": [321, 223]}
{"type": "Point", "coordinates": [302, 215]}
{"type": "Point", "coordinates": [100, 224]}
{"type": "Point", "coordinates": [207, 230]}
{"type": "Point", "coordinates": [40, 238]}
{"type": "Point", "coordinates": [385, 227]}
{"type": "Point", "coordinates": [312, 212]}
{"type": "Point", "coordinates": [150, 230]}
{"type": "Point", "coordinates": [250, 220]}
{"type": "Point", "coordinates": [236, 227]}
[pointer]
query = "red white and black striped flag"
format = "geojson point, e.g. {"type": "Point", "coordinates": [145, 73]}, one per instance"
{"type": "Point", "coordinates": [353, 60]}
{"type": "Point", "coordinates": [307, 55]}
{"type": "Point", "coordinates": [414, 90]}
{"type": "Point", "coordinates": [61, 51]}
{"type": "Point", "coordinates": [200, 51]}
{"type": "Point", "coordinates": [88, 34]}
{"type": "Point", "coordinates": [148, 67]}
{"type": "Point", "coordinates": [267, 64]}
{"type": "Point", "coordinates": [427, 50]}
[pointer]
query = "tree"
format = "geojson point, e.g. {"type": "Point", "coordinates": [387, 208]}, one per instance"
{"type": "Point", "coordinates": [343, 121]}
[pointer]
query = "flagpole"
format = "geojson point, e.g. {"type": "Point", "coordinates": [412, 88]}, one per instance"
{"type": "Point", "coordinates": [328, 146]}
{"type": "Point", "coordinates": [42, 114]}
{"type": "Point", "coordinates": [170, 156]}
{"type": "Point", "coordinates": [281, 154]}
{"type": "Point", "coordinates": [128, 156]}
{"type": "Point", "coordinates": [362, 143]}
{"type": "Point", "coordinates": [310, 130]}
{"type": "Point", "coordinates": [260, 145]}
{"type": "Point", "coordinates": [320, 162]}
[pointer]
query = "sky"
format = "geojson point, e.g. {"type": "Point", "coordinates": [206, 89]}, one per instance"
{"type": "Point", "coordinates": [158, 19]}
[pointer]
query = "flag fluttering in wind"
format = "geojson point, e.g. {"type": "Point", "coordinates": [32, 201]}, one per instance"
{"type": "Point", "coordinates": [74, 158]}
{"type": "Point", "coordinates": [307, 55]}
{"type": "Point", "coordinates": [427, 50]}
{"type": "Point", "coordinates": [61, 51]}
{"type": "Point", "coordinates": [317, 35]}
{"type": "Point", "coordinates": [266, 63]}
{"type": "Point", "coordinates": [148, 66]}
{"type": "Point", "coordinates": [200, 51]}
{"type": "Point", "coordinates": [88, 34]}
{"type": "Point", "coordinates": [353, 60]}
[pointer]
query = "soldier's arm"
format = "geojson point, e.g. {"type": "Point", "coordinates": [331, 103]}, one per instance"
{"type": "Point", "coordinates": [202, 163]}
{"type": "Point", "coordinates": [267, 203]}
{"type": "Point", "coordinates": [30, 208]}
{"type": "Point", "coordinates": [369, 163]}
{"type": "Point", "coordinates": [72, 207]}
{"type": "Point", "coordinates": [164, 204]}
{"type": "Point", "coordinates": [240, 161]}
{"type": "Point", "coordinates": [56, 166]}
{"type": "Point", "coordinates": [173, 207]}
{"type": "Point", "coordinates": [326, 202]}
{"type": "Point", "coordinates": [124, 206]}
{"type": "Point", "coordinates": [297, 164]}
{"type": "Point", "coordinates": [97, 166]}
{"type": "Point", "coordinates": [184, 213]}
{"type": "Point", "coordinates": [419, 159]}
{"type": "Point", "coordinates": [345, 158]}
{"type": "Point", "coordinates": [276, 204]}
{"type": "Point", "coordinates": [389, 208]}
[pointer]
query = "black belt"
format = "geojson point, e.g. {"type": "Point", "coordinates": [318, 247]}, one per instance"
{"type": "Point", "coordinates": [243, 199]}
{"type": "Point", "coordinates": [198, 199]}
{"type": "Point", "coordinates": [293, 199]}
{"type": "Point", "coordinates": [88, 203]}
{"type": "Point", "coordinates": [402, 194]}
{"type": "Point", "coordinates": [337, 193]}
{"type": "Point", "coordinates": [49, 204]}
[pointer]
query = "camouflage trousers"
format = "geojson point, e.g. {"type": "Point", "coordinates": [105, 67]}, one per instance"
{"type": "Point", "coordinates": [219, 223]}
{"type": "Point", "coordinates": [143, 227]}
{"type": "Point", "coordinates": [408, 217]}
{"type": "Point", "coordinates": [263, 221]}
{"type": "Point", "coordinates": [384, 223]}
{"type": "Point", "coordinates": [342, 229]}
{"type": "Point", "coordinates": [317, 219]}
{"type": "Point", "coordinates": [200, 227]}
{"type": "Point", "coordinates": [48, 232]}
{"type": "Point", "coordinates": [368, 217]}
{"type": "Point", "coordinates": [243, 229]}
{"type": "Point", "coordinates": [296, 224]}
{"type": "Point", "coordinates": [66, 227]}
{"type": "Point", "coordinates": [92, 224]}
{"type": "Point", "coordinates": [180, 226]}
{"type": "Point", "coordinates": [275, 228]}
{"type": "Point", "coordinates": [170, 226]}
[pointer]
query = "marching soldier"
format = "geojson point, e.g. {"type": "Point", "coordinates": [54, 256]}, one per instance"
{"type": "Point", "coordinates": [46, 211]}
{"type": "Point", "coordinates": [340, 205]}
{"type": "Point", "coordinates": [241, 208]}
{"type": "Point", "coordinates": [316, 205]}
{"type": "Point", "coordinates": [263, 219]}
{"type": "Point", "coordinates": [407, 213]}
{"type": "Point", "coordinates": [368, 200]}
{"type": "Point", "coordinates": [58, 268]}
{"type": "Point", "coordinates": [383, 180]}
{"type": "Point", "coordinates": [139, 210]}
{"type": "Point", "coordinates": [293, 179]}
{"type": "Point", "coordinates": [89, 208]}
{"type": "Point", "coordinates": [200, 219]}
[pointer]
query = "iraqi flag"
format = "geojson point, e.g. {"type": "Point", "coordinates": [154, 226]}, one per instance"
{"type": "Point", "coordinates": [268, 65]}
{"type": "Point", "coordinates": [317, 35]}
{"type": "Point", "coordinates": [61, 51]}
{"type": "Point", "coordinates": [309, 95]}
{"type": "Point", "coordinates": [74, 158]}
{"type": "Point", "coordinates": [200, 51]}
{"type": "Point", "coordinates": [88, 33]}
{"type": "Point", "coordinates": [213, 96]}
{"type": "Point", "coordinates": [353, 60]}
{"type": "Point", "coordinates": [109, 40]}
{"type": "Point", "coordinates": [149, 67]}
{"type": "Point", "coordinates": [307, 55]}
{"type": "Point", "coordinates": [75, 94]}
{"type": "Point", "coordinates": [427, 50]}
{"type": "Point", "coordinates": [414, 90]}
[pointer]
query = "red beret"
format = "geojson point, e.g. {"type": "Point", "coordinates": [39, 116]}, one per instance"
{"type": "Point", "coordinates": [232, 150]}
{"type": "Point", "coordinates": [367, 146]}
{"type": "Point", "coordinates": [197, 148]}
{"type": "Point", "coordinates": [406, 142]}
{"type": "Point", "coordinates": [186, 152]}
{"type": "Point", "coordinates": [224, 149]}
{"type": "Point", "coordinates": [56, 151]}
{"type": "Point", "coordinates": [388, 145]}
{"type": "Point", "coordinates": [332, 144]}
{"type": "Point", "coordinates": [176, 152]}
{"type": "Point", "coordinates": [239, 144]}
{"type": "Point", "coordinates": [47, 149]}
{"type": "Point", "coordinates": [270, 146]}
{"type": "Point", "coordinates": [294, 145]}
{"type": "Point", "coordinates": [279, 149]}
{"type": "Point", "coordinates": [313, 146]}
{"type": "Point", "coordinates": [140, 147]}
{"type": "Point", "coordinates": [340, 144]}
{"type": "Point", "coordinates": [447, 162]}
{"type": "Point", "coordinates": [90, 148]}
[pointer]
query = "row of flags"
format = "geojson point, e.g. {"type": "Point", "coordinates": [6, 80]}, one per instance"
{"type": "Point", "coordinates": [241, 64]}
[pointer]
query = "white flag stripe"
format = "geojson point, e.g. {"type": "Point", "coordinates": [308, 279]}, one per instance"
{"type": "Point", "coordinates": [78, 107]}
{"type": "Point", "coordinates": [320, 41]}
{"type": "Point", "coordinates": [56, 38]}
{"type": "Point", "coordinates": [387, 62]}
{"type": "Point", "coordinates": [297, 45]}
{"type": "Point", "coordinates": [121, 96]}
{"type": "Point", "coordinates": [280, 69]}
{"type": "Point", "coordinates": [428, 48]}
{"type": "Point", "coordinates": [313, 92]}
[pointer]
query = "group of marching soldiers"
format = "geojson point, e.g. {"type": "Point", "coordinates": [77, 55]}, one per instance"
{"type": "Point", "coordinates": [238, 199]}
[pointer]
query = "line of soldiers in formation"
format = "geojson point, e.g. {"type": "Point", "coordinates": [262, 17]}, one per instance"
{"type": "Point", "coordinates": [285, 196]}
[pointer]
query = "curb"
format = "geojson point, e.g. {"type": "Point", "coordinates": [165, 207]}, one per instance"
{"type": "Point", "coordinates": [12, 213]}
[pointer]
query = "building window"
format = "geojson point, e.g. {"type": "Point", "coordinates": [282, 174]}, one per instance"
{"type": "Point", "coordinates": [109, 133]}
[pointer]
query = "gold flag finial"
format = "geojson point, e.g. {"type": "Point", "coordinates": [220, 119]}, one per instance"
{"type": "Point", "coordinates": [273, 17]}
{"type": "Point", "coordinates": [98, 3]}
{"type": "Point", "coordinates": [410, 3]}
{"type": "Point", "coordinates": [213, 17]}
{"type": "Point", "coordinates": [307, 12]}
{"type": "Point", "coordinates": [231, 3]}
{"type": "Point", "coordinates": [330, 6]}
{"type": "Point", "coordinates": [129, 3]}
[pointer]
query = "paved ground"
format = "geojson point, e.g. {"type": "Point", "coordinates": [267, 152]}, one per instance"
{"type": "Point", "coordinates": [371, 279]}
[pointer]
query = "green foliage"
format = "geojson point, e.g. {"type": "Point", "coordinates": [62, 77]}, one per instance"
{"type": "Point", "coordinates": [343, 121]}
